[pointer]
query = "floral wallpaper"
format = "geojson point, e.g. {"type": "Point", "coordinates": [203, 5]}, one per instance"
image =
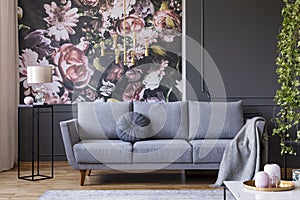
{"type": "Point", "coordinates": [84, 42]}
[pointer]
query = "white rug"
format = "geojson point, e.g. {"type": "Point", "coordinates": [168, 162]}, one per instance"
{"type": "Point", "coordinates": [135, 195]}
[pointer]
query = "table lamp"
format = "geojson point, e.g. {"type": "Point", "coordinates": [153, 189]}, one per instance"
{"type": "Point", "coordinates": [39, 75]}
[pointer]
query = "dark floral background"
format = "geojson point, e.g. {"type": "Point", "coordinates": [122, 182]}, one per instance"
{"type": "Point", "coordinates": [69, 35]}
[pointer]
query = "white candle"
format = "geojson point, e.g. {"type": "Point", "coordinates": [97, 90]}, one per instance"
{"type": "Point", "coordinates": [102, 46]}
{"type": "Point", "coordinates": [115, 36]}
{"type": "Point", "coordinates": [273, 170]}
{"type": "Point", "coordinates": [132, 57]}
{"type": "Point", "coordinates": [146, 49]}
{"type": "Point", "coordinates": [117, 54]}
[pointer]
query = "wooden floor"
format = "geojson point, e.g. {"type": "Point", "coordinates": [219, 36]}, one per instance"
{"type": "Point", "coordinates": [65, 178]}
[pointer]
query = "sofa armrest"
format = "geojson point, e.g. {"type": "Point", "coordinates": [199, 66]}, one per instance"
{"type": "Point", "coordinates": [70, 137]}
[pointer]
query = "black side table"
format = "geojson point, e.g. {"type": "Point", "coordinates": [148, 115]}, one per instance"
{"type": "Point", "coordinates": [35, 143]}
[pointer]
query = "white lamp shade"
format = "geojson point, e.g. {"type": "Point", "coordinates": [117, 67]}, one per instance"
{"type": "Point", "coordinates": [39, 74]}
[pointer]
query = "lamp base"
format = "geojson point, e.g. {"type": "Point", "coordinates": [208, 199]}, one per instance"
{"type": "Point", "coordinates": [40, 97]}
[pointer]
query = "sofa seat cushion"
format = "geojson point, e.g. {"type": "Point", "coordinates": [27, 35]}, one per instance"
{"type": "Point", "coordinates": [162, 151]}
{"type": "Point", "coordinates": [168, 119]}
{"type": "Point", "coordinates": [214, 120]}
{"type": "Point", "coordinates": [208, 150]}
{"type": "Point", "coordinates": [103, 151]}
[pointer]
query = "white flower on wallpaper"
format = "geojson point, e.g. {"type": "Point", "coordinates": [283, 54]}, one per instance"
{"type": "Point", "coordinates": [61, 19]}
{"type": "Point", "coordinates": [118, 8]}
{"type": "Point", "coordinates": [153, 78]}
{"type": "Point", "coordinates": [147, 35]}
{"type": "Point", "coordinates": [107, 88]}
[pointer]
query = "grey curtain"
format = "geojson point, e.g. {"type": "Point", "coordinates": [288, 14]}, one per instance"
{"type": "Point", "coordinates": [8, 84]}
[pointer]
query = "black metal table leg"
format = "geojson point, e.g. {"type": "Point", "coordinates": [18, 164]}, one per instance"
{"type": "Point", "coordinates": [35, 146]}
{"type": "Point", "coordinates": [284, 166]}
{"type": "Point", "coordinates": [52, 146]}
{"type": "Point", "coordinates": [19, 154]}
{"type": "Point", "coordinates": [32, 144]}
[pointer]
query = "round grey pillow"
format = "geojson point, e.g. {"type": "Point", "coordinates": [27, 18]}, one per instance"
{"type": "Point", "coordinates": [132, 127]}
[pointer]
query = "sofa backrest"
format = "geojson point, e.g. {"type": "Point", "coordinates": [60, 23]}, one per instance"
{"type": "Point", "coordinates": [97, 120]}
{"type": "Point", "coordinates": [180, 120]}
{"type": "Point", "coordinates": [213, 120]}
{"type": "Point", "coordinates": [167, 120]}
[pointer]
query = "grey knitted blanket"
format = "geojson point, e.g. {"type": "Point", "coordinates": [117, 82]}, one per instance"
{"type": "Point", "coordinates": [244, 155]}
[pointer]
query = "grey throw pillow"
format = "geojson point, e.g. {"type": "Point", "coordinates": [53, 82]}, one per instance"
{"type": "Point", "coordinates": [132, 127]}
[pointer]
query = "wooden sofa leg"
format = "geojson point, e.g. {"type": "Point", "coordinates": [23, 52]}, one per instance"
{"type": "Point", "coordinates": [82, 177]}
{"type": "Point", "coordinates": [89, 172]}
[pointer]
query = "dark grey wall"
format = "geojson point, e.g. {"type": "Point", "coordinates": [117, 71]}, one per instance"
{"type": "Point", "coordinates": [241, 38]}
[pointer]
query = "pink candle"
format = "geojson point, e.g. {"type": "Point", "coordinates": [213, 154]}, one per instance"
{"type": "Point", "coordinates": [261, 179]}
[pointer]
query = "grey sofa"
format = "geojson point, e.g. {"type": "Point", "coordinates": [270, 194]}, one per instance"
{"type": "Point", "coordinates": [183, 135]}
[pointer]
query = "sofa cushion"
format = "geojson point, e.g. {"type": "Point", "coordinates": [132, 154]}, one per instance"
{"type": "Point", "coordinates": [97, 120]}
{"type": "Point", "coordinates": [103, 151]}
{"type": "Point", "coordinates": [213, 120]}
{"type": "Point", "coordinates": [168, 120]}
{"type": "Point", "coordinates": [162, 151]}
{"type": "Point", "coordinates": [132, 127]}
{"type": "Point", "coordinates": [208, 150]}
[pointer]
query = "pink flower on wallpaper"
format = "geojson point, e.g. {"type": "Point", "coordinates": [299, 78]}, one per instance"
{"type": "Point", "coordinates": [91, 3]}
{"type": "Point", "coordinates": [133, 92]}
{"type": "Point", "coordinates": [133, 23]}
{"type": "Point", "coordinates": [61, 20]}
{"type": "Point", "coordinates": [134, 74]}
{"type": "Point", "coordinates": [29, 58]}
{"type": "Point", "coordinates": [73, 65]}
{"type": "Point", "coordinates": [56, 99]}
{"type": "Point", "coordinates": [115, 73]}
{"type": "Point", "coordinates": [168, 24]}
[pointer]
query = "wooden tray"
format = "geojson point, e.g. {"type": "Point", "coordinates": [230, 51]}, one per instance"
{"type": "Point", "coordinates": [284, 185]}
